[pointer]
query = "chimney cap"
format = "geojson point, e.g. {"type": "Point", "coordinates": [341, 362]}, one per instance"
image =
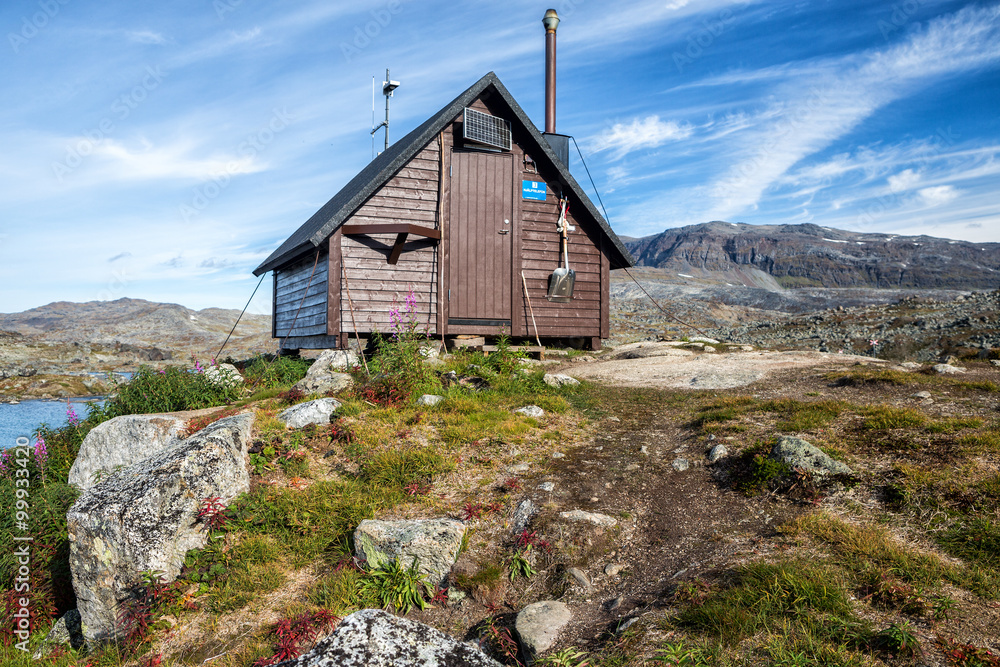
{"type": "Point", "coordinates": [550, 20]}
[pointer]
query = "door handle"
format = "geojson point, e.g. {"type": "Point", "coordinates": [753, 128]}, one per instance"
{"type": "Point", "coordinates": [504, 231]}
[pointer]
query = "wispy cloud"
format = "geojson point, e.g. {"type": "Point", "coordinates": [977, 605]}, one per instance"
{"type": "Point", "coordinates": [146, 37]}
{"type": "Point", "coordinates": [640, 134]}
{"type": "Point", "coordinates": [938, 195]}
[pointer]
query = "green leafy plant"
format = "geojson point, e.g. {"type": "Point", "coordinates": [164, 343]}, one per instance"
{"type": "Point", "coordinates": [520, 564]}
{"type": "Point", "coordinates": [398, 363]}
{"type": "Point", "coordinates": [567, 657]}
{"type": "Point", "coordinates": [898, 639]}
{"type": "Point", "coordinates": [397, 587]}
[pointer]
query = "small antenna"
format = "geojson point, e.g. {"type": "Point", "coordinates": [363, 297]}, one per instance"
{"type": "Point", "coordinates": [373, 117]}
{"type": "Point", "coordinates": [387, 87]}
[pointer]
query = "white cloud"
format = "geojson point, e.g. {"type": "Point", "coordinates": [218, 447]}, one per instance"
{"type": "Point", "coordinates": [938, 195]}
{"type": "Point", "coordinates": [144, 160]}
{"type": "Point", "coordinates": [146, 37]}
{"type": "Point", "coordinates": [643, 133]}
{"type": "Point", "coordinates": [903, 181]}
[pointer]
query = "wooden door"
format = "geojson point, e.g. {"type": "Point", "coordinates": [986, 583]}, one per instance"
{"type": "Point", "coordinates": [480, 240]}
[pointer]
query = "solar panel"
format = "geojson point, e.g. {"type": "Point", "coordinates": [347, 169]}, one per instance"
{"type": "Point", "coordinates": [483, 128]}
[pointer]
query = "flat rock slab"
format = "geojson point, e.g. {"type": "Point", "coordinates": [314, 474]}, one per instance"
{"type": "Point", "coordinates": [682, 369]}
{"type": "Point", "coordinates": [559, 380]}
{"type": "Point", "coordinates": [374, 638]}
{"type": "Point", "coordinates": [434, 543]}
{"type": "Point", "coordinates": [539, 624]}
{"type": "Point", "coordinates": [595, 518]}
{"type": "Point", "coordinates": [311, 412]}
{"type": "Point", "coordinates": [144, 518]}
{"type": "Point", "coordinates": [947, 369]}
{"type": "Point", "coordinates": [799, 453]}
{"type": "Point", "coordinates": [120, 442]}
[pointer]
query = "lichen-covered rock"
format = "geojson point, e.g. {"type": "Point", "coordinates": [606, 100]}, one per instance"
{"type": "Point", "coordinates": [429, 400]}
{"type": "Point", "coordinates": [335, 360]}
{"type": "Point", "coordinates": [538, 625]}
{"type": "Point", "coordinates": [67, 631]}
{"type": "Point", "coordinates": [531, 411]}
{"type": "Point", "coordinates": [144, 518]}
{"type": "Point", "coordinates": [799, 453]}
{"type": "Point", "coordinates": [121, 442]}
{"type": "Point", "coordinates": [434, 543]}
{"type": "Point", "coordinates": [523, 514]}
{"type": "Point", "coordinates": [717, 453]}
{"type": "Point", "coordinates": [311, 412]}
{"type": "Point", "coordinates": [559, 380]}
{"type": "Point", "coordinates": [224, 375]}
{"type": "Point", "coordinates": [947, 369]}
{"type": "Point", "coordinates": [322, 383]}
{"type": "Point", "coordinates": [595, 518]}
{"type": "Point", "coordinates": [374, 638]}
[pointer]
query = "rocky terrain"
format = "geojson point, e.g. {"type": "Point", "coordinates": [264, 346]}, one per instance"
{"type": "Point", "coordinates": [807, 255]}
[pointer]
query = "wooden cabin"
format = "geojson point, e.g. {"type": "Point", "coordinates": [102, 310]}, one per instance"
{"type": "Point", "coordinates": [456, 211]}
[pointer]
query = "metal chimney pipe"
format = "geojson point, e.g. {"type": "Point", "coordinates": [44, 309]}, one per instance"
{"type": "Point", "coordinates": [551, 22]}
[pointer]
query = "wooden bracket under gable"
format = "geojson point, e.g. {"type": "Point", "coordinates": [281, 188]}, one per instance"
{"type": "Point", "coordinates": [401, 230]}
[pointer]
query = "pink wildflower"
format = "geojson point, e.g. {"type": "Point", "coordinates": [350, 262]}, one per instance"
{"type": "Point", "coordinates": [71, 416]}
{"type": "Point", "coordinates": [41, 451]}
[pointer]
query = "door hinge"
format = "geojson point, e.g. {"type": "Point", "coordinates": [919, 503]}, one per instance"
{"type": "Point", "coordinates": [451, 171]}
{"type": "Point", "coordinates": [449, 295]}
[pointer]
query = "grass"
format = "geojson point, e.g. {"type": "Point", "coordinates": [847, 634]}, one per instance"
{"type": "Point", "coordinates": [793, 416]}
{"type": "Point", "coordinates": [884, 417]}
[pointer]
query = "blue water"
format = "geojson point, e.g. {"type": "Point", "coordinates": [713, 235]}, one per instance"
{"type": "Point", "coordinates": [22, 419]}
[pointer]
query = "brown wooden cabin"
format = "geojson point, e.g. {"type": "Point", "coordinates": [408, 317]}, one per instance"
{"type": "Point", "coordinates": [450, 219]}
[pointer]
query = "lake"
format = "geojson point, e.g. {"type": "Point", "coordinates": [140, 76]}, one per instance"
{"type": "Point", "coordinates": [22, 419]}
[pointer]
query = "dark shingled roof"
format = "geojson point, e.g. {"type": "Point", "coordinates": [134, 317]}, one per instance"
{"type": "Point", "coordinates": [335, 212]}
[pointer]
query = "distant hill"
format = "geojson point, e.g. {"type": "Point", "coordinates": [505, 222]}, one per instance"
{"type": "Point", "coordinates": [776, 256]}
{"type": "Point", "coordinates": [142, 324]}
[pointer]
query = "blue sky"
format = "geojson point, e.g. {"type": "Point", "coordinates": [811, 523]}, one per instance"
{"type": "Point", "coordinates": [162, 150]}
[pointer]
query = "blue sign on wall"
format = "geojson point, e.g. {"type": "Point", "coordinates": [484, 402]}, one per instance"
{"type": "Point", "coordinates": [534, 190]}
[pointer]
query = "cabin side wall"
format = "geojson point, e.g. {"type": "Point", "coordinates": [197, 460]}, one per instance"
{"type": "Point", "coordinates": [309, 314]}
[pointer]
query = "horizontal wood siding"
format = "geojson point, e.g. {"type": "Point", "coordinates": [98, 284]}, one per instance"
{"type": "Point", "coordinates": [376, 287]}
{"type": "Point", "coordinates": [290, 287]}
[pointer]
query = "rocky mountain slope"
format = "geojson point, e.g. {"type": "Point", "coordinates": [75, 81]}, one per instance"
{"type": "Point", "coordinates": [775, 256]}
{"type": "Point", "coordinates": [98, 333]}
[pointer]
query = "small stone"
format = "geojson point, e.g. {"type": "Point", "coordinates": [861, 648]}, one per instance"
{"type": "Point", "coordinates": [995, 362]}
{"type": "Point", "coordinates": [717, 452]}
{"type": "Point", "coordinates": [644, 451]}
{"type": "Point", "coordinates": [911, 365]}
{"type": "Point", "coordinates": [611, 605]}
{"type": "Point", "coordinates": [520, 467]}
{"type": "Point", "coordinates": [547, 486]}
{"type": "Point", "coordinates": [625, 625]}
{"type": "Point", "coordinates": [921, 395]}
{"type": "Point", "coordinates": [799, 453]}
{"type": "Point", "coordinates": [594, 499]}
{"type": "Point", "coordinates": [632, 467]}
{"type": "Point", "coordinates": [538, 625]}
{"type": "Point", "coordinates": [558, 455]}
{"type": "Point", "coordinates": [311, 412]}
{"type": "Point", "coordinates": [594, 518]}
{"type": "Point", "coordinates": [680, 465]}
{"type": "Point", "coordinates": [523, 514]}
{"type": "Point", "coordinates": [579, 577]}
{"type": "Point", "coordinates": [429, 400]}
{"type": "Point", "coordinates": [559, 380]}
{"type": "Point", "coordinates": [531, 411]}
{"type": "Point", "coordinates": [947, 369]}
{"type": "Point", "coordinates": [612, 569]}
{"type": "Point", "coordinates": [711, 437]}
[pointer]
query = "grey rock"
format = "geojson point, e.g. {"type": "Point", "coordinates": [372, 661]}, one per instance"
{"type": "Point", "coordinates": [611, 605]}
{"type": "Point", "coordinates": [595, 518]}
{"type": "Point", "coordinates": [680, 465]}
{"type": "Point", "coordinates": [559, 380]}
{"type": "Point", "coordinates": [547, 486]}
{"type": "Point", "coordinates": [335, 360]}
{"type": "Point", "coordinates": [520, 467]}
{"type": "Point", "coordinates": [558, 455]}
{"type": "Point", "coordinates": [523, 514]}
{"type": "Point", "coordinates": [947, 369]}
{"type": "Point", "coordinates": [144, 518]}
{"type": "Point", "coordinates": [625, 625]}
{"type": "Point", "coordinates": [921, 395]}
{"type": "Point", "coordinates": [310, 412]}
{"type": "Point", "coordinates": [613, 569]}
{"type": "Point", "coordinates": [538, 625]}
{"type": "Point", "coordinates": [322, 383]}
{"type": "Point", "coordinates": [429, 352]}
{"type": "Point", "coordinates": [911, 366]}
{"type": "Point", "coordinates": [531, 411]}
{"type": "Point", "coordinates": [429, 400]}
{"type": "Point", "coordinates": [434, 543]}
{"type": "Point", "coordinates": [375, 638]}
{"type": "Point", "coordinates": [121, 442]}
{"type": "Point", "coordinates": [225, 375]}
{"type": "Point", "coordinates": [577, 575]}
{"type": "Point", "coordinates": [66, 631]}
{"type": "Point", "coordinates": [703, 339]}
{"type": "Point", "coordinates": [716, 453]}
{"type": "Point", "coordinates": [799, 453]}
{"type": "Point", "coordinates": [995, 362]}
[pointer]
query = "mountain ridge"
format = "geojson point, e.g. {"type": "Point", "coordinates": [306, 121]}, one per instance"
{"type": "Point", "coordinates": [808, 255]}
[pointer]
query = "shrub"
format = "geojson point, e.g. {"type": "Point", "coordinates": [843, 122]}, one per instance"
{"type": "Point", "coordinates": [269, 371]}
{"type": "Point", "coordinates": [167, 390]}
{"type": "Point", "coordinates": [396, 587]}
{"type": "Point", "coordinates": [398, 357]}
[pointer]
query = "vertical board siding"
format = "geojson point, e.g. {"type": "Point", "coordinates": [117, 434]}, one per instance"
{"type": "Point", "coordinates": [376, 287]}
{"type": "Point", "coordinates": [289, 288]}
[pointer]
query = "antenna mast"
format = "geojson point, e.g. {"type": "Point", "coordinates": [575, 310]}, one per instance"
{"type": "Point", "coordinates": [387, 87]}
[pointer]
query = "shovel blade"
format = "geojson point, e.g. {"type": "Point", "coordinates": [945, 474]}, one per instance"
{"type": "Point", "coordinates": [561, 285]}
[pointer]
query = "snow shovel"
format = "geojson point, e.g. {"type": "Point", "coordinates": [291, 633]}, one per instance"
{"type": "Point", "coordinates": [563, 278]}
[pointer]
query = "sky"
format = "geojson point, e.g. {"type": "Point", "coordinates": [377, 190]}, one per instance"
{"type": "Point", "coordinates": [162, 150]}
